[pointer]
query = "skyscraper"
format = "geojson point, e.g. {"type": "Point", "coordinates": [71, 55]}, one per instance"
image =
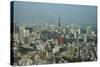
{"type": "Point", "coordinates": [77, 34]}
{"type": "Point", "coordinates": [21, 33]}
{"type": "Point", "coordinates": [85, 38]}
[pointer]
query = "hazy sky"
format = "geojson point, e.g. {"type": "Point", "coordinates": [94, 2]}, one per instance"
{"type": "Point", "coordinates": [41, 13]}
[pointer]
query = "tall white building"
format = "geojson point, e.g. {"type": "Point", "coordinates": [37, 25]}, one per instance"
{"type": "Point", "coordinates": [27, 37]}
{"type": "Point", "coordinates": [88, 29]}
{"type": "Point", "coordinates": [21, 33]}
{"type": "Point", "coordinates": [85, 38]}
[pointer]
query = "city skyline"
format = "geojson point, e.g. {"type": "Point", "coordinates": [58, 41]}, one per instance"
{"type": "Point", "coordinates": [44, 33]}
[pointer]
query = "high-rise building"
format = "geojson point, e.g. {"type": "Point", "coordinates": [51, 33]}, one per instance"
{"type": "Point", "coordinates": [85, 38]}
{"type": "Point", "coordinates": [88, 29]}
{"type": "Point", "coordinates": [21, 33]}
{"type": "Point", "coordinates": [77, 37]}
{"type": "Point", "coordinates": [27, 38]}
{"type": "Point", "coordinates": [58, 39]}
{"type": "Point", "coordinates": [77, 34]}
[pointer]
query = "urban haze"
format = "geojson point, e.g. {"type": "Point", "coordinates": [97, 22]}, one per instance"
{"type": "Point", "coordinates": [48, 33]}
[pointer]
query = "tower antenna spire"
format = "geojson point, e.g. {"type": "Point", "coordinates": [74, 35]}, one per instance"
{"type": "Point", "coordinates": [59, 20]}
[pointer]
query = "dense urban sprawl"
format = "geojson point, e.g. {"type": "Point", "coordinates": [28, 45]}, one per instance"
{"type": "Point", "coordinates": [50, 44]}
